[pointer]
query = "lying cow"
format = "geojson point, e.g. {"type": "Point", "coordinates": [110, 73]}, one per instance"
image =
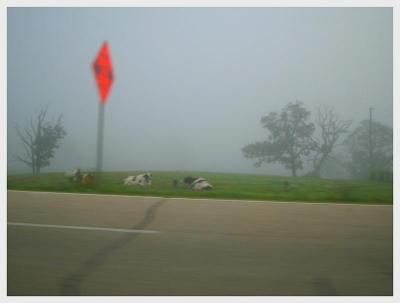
{"type": "Point", "coordinates": [197, 183]}
{"type": "Point", "coordinates": [142, 179]}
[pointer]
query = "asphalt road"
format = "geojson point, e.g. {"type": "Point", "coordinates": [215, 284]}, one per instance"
{"type": "Point", "coordinates": [67, 244]}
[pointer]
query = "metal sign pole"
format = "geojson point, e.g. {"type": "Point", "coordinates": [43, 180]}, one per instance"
{"type": "Point", "coordinates": [100, 131]}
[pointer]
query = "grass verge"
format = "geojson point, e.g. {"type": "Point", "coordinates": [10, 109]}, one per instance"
{"type": "Point", "coordinates": [226, 186]}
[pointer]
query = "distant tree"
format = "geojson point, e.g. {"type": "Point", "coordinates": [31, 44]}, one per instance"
{"type": "Point", "coordinates": [289, 140]}
{"type": "Point", "coordinates": [330, 129]}
{"type": "Point", "coordinates": [335, 166]}
{"type": "Point", "coordinates": [358, 144]}
{"type": "Point", "coordinates": [40, 139]}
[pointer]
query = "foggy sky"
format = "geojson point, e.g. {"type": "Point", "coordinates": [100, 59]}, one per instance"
{"type": "Point", "coordinates": [191, 84]}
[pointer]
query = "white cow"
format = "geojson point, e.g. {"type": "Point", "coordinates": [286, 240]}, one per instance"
{"type": "Point", "coordinates": [74, 175]}
{"type": "Point", "coordinates": [142, 179]}
{"type": "Point", "coordinates": [197, 183]}
{"type": "Point", "coordinates": [201, 184]}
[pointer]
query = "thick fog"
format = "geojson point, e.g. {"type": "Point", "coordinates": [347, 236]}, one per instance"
{"type": "Point", "coordinates": [191, 84]}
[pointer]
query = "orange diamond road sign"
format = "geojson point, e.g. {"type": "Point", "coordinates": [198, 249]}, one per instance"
{"type": "Point", "coordinates": [103, 72]}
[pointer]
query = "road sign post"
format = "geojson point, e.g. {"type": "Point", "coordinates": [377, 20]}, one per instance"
{"type": "Point", "coordinates": [100, 131]}
{"type": "Point", "coordinates": [104, 76]}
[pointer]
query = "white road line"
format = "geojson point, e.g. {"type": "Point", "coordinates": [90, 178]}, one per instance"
{"type": "Point", "coordinates": [199, 199]}
{"type": "Point", "coordinates": [139, 231]}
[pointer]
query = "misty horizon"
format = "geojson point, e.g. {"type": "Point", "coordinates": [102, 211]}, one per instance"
{"type": "Point", "coordinates": [191, 84]}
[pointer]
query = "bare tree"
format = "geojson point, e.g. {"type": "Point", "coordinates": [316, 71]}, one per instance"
{"type": "Point", "coordinates": [331, 128]}
{"type": "Point", "coordinates": [40, 140]}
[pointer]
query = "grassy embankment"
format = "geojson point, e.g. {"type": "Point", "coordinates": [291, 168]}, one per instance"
{"type": "Point", "coordinates": [226, 186]}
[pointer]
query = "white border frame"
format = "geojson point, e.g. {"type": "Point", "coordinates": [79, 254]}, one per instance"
{"type": "Point", "coordinates": [206, 3]}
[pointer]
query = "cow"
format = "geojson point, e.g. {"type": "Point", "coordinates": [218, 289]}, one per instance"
{"type": "Point", "coordinates": [87, 178]}
{"type": "Point", "coordinates": [74, 175]}
{"type": "Point", "coordinates": [197, 183]}
{"type": "Point", "coordinates": [142, 179]}
{"type": "Point", "coordinates": [77, 176]}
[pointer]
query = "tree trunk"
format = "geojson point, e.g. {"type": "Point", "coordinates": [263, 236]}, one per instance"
{"type": "Point", "coordinates": [317, 168]}
{"type": "Point", "coordinates": [37, 169]}
{"type": "Point", "coordinates": [293, 169]}
{"type": "Point", "coordinates": [33, 162]}
{"type": "Point", "coordinates": [293, 166]}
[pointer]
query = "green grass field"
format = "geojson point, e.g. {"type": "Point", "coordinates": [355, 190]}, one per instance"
{"type": "Point", "coordinates": [226, 186]}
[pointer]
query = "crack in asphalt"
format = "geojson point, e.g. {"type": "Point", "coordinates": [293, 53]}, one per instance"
{"type": "Point", "coordinates": [71, 285]}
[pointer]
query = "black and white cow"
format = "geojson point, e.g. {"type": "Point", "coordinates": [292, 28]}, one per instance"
{"type": "Point", "coordinates": [197, 183]}
{"type": "Point", "coordinates": [74, 175]}
{"type": "Point", "coordinates": [142, 179]}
